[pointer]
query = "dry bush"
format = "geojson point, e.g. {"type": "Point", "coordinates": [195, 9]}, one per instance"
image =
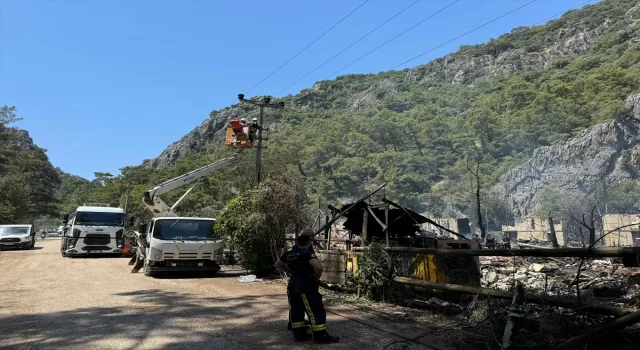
{"type": "Point", "coordinates": [256, 222]}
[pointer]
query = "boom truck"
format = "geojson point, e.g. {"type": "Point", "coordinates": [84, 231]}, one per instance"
{"type": "Point", "coordinates": [170, 242]}
{"type": "Point", "coordinates": [175, 243]}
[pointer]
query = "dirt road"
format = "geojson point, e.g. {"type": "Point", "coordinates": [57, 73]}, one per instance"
{"type": "Point", "coordinates": [49, 302]}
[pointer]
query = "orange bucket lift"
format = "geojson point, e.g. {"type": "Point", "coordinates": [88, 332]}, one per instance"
{"type": "Point", "coordinates": [238, 135]}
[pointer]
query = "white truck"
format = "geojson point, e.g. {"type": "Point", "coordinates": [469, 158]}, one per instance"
{"type": "Point", "coordinates": [173, 243]}
{"type": "Point", "coordinates": [93, 229]}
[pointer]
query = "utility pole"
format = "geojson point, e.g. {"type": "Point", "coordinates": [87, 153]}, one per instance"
{"type": "Point", "coordinates": [265, 102]}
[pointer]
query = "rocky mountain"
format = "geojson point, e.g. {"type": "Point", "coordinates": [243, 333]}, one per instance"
{"type": "Point", "coordinates": [531, 92]}
{"type": "Point", "coordinates": [525, 48]}
{"type": "Point", "coordinates": [606, 152]}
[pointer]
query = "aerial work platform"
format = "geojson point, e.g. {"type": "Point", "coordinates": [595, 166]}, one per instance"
{"type": "Point", "coordinates": [238, 135]}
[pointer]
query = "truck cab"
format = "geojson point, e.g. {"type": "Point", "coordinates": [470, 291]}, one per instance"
{"type": "Point", "coordinates": [93, 229]}
{"type": "Point", "coordinates": [179, 244]}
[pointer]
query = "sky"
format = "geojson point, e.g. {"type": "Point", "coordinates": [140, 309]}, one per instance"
{"type": "Point", "coordinates": [104, 84]}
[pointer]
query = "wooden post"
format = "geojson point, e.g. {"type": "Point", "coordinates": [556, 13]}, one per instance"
{"type": "Point", "coordinates": [386, 233]}
{"type": "Point", "coordinates": [328, 232]}
{"type": "Point", "coordinates": [365, 223]}
{"type": "Point", "coordinates": [386, 223]}
{"type": "Point", "coordinates": [515, 316]}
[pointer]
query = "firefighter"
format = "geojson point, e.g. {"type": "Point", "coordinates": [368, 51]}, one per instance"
{"type": "Point", "coordinates": [306, 322]}
{"type": "Point", "coordinates": [491, 242]}
{"type": "Point", "coordinates": [303, 290]}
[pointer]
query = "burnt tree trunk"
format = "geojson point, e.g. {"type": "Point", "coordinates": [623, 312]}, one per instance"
{"type": "Point", "coordinates": [552, 230]}
{"type": "Point", "coordinates": [476, 174]}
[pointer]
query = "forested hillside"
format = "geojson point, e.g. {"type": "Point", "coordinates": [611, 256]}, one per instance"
{"type": "Point", "coordinates": [28, 181]}
{"type": "Point", "coordinates": [32, 190]}
{"type": "Point", "coordinates": [422, 129]}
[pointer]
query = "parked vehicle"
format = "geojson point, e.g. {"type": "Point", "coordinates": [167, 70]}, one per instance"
{"type": "Point", "coordinates": [17, 236]}
{"type": "Point", "coordinates": [176, 243]}
{"type": "Point", "coordinates": [93, 229]}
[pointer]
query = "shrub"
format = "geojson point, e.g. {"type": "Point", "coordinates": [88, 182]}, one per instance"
{"type": "Point", "coordinates": [256, 222]}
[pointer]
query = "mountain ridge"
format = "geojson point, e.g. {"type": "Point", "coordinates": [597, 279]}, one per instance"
{"type": "Point", "coordinates": [575, 36]}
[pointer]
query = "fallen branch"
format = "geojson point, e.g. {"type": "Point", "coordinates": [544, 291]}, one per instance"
{"type": "Point", "coordinates": [609, 327]}
{"type": "Point", "coordinates": [532, 298]}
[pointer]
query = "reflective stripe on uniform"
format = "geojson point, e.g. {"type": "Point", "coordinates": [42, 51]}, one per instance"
{"type": "Point", "coordinates": [319, 327]}
{"type": "Point", "coordinates": [314, 327]}
{"type": "Point", "coordinates": [297, 325]}
{"type": "Point", "coordinates": [312, 318]}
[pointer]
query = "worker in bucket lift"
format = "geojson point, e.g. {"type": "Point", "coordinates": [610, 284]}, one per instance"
{"type": "Point", "coordinates": [237, 132]}
{"type": "Point", "coordinates": [253, 128]}
{"type": "Point", "coordinates": [245, 126]}
{"type": "Point", "coordinates": [303, 289]}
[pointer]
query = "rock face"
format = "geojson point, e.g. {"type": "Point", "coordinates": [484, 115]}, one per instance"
{"type": "Point", "coordinates": [205, 138]}
{"type": "Point", "coordinates": [605, 152]}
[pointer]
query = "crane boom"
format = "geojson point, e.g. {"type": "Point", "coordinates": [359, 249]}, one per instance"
{"type": "Point", "coordinates": [151, 197]}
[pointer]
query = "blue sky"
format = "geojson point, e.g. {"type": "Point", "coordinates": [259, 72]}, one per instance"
{"type": "Point", "coordinates": [105, 84]}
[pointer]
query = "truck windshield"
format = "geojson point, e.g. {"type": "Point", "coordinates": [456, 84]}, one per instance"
{"type": "Point", "coordinates": [9, 231]}
{"type": "Point", "coordinates": [99, 219]}
{"type": "Point", "coordinates": [184, 229]}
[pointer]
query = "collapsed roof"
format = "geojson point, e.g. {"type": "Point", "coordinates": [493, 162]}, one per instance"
{"type": "Point", "coordinates": [403, 222]}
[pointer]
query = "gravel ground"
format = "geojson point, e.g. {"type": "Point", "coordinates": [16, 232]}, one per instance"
{"type": "Point", "coordinates": [50, 302]}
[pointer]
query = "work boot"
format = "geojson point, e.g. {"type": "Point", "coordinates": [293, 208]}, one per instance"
{"type": "Point", "coordinates": [323, 337]}
{"type": "Point", "coordinates": [300, 334]}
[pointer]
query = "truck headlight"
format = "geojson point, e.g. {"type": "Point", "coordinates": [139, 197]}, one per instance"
{"type": "Point", "coordinates": [27, 237]}
{"type": "Point", "coordinates": [218, 252]}
{"type": "Point", "coordinates": [156, 254]}
{"type": "Point", "coordinates": [71, 243]}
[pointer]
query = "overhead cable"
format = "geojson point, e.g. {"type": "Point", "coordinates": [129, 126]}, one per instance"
{"type": "Point", "coordinates": [465, 34]}
{"type": "Point", "coordinates": [349, 46]}
{"type": "Point", "coordinates": [306, 47]}
{"type": "Point", "coordinates": [390, 40]}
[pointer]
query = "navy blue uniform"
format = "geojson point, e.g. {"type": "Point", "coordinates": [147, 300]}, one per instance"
{"type": "Point", "coordinates": [303, 290]}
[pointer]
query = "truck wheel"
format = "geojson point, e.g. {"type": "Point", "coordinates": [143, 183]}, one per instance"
{"type": "Point", "coordinates": [62, 251]}
{"type": "Point", "coordinates": [146, 269]}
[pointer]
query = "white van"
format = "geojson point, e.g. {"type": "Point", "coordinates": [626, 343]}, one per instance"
{"type": "Point", "coordinates": [17, 236]}
{"type": "Point", "coordinates": [93, 229]}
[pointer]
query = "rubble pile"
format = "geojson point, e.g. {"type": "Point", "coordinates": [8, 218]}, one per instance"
{"type": "Point", "coordinates": [556, 276]}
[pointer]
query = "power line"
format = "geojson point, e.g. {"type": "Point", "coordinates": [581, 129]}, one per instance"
{"type": "Point", "coordinates": [349, 46]}
{"type": "Point", "coordinates": [306, 47]}
{"type": "Point", "coordinates": [390, 40]}
{"type": "Point", "coordinates": [465, 34]}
